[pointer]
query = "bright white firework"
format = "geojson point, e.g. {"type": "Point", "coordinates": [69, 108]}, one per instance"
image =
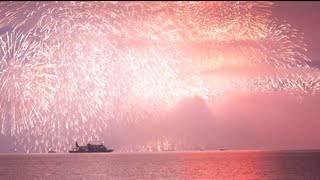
{"type": "Point", "coordinates": [72, 70]}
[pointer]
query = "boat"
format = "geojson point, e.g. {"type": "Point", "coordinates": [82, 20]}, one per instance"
{"type": "Point", "coordinates": [90, 148]}
{"type": "Point", "coordinates": [52, 151]}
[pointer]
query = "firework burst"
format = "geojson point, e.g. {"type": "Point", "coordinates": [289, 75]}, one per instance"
{"type": "Point", "coordinates": [72, 70]}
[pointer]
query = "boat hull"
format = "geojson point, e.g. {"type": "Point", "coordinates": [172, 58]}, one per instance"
{"type": "Point", "coordinates": [107, 151]}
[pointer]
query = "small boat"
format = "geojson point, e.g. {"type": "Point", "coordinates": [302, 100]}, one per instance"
{"type": "Point", "coordinates": [52, 151]}
{"type": "Point", "coordinates": [90, 148]}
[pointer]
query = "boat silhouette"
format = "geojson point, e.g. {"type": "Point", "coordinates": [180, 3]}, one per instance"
{"type": "Point", "coordinates": [90, 148]}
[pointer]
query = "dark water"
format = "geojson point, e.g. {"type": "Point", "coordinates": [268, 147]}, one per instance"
{"type": "Point", "coordinates": [170, 165]}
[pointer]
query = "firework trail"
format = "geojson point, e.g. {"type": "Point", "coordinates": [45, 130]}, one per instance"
{"type": "Point", "coordinates": [73, 70]}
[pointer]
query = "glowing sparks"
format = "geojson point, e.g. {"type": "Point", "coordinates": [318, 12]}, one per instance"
{"type": "Point", "coordinates": [70, 70]}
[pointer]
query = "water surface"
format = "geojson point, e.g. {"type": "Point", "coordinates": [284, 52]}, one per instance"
{"type": "Point", "coordinates": [165, 165]}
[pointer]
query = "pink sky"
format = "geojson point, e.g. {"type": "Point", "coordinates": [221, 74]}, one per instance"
{"type": "Point", "coordinates": [244, 121]}
{"type": "Point", "coordinates": [303, 16]}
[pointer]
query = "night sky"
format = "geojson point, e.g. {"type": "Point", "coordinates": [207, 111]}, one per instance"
{"type": "Point", "coordinates": [256, 120]}
{"type": "Point", "coordinates": [302, 15]}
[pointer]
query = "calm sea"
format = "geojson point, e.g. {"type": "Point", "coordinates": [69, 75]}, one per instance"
{"type": "Point", "coordinates": [168, 165]}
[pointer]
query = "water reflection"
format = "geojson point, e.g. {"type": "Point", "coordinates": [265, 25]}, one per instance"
{"type": "Point", "coordinates": [169, 165]}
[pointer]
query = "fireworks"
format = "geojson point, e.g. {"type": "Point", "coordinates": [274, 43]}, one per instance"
{"type": "Point", "coordinates": [72, 70]}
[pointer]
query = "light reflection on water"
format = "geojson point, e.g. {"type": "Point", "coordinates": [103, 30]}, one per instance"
{"type": "Point", "coordinates": [167, 165]}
